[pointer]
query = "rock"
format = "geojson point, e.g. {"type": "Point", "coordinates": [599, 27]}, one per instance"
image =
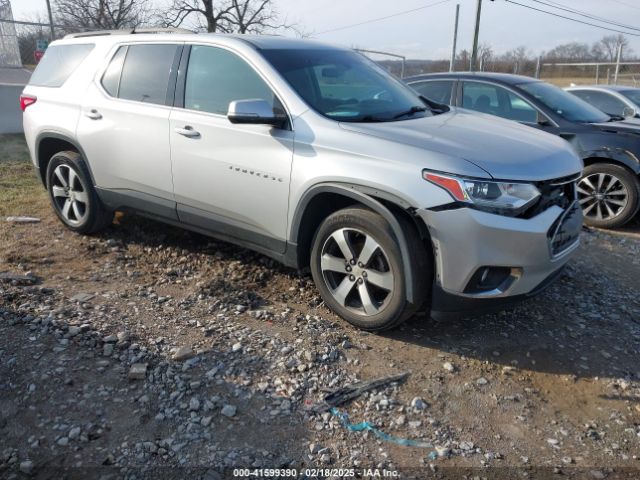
{"type": "Point", "coordinates": [82, 297]}
{"type": "Point", "coordinates": [228, 411]}
{"type": "Point", "coordinates": [74, 433]}
{"type": "Point", "coordinates": [194, 404]}
{"type": "Point", "coordinates": [26, 467]}
{"type": "Point", "coordinates": [110, 339]}
{"type": "Point", "coordinates": [449, 367]}
{"type": "Point", "coordinates": [442, 451]}
{"type": "Point", "coordinates": [418, 403]}
{"type": "Point", "coordinates": [107, 349]}
{"type": "Point", "coordinates": [183, 353]}
{"type": "Point", "coordinates": [138, 371]}
{"type": "Point", "coordinates": [466, 446]}
{"type": "Point", "coordinates": [206, 421]}
{"type": "Point", "coordinates": [74, 330]}
{"type": "Point", "coordinates": [236, 347]}
{"type": "Point", "coordinates": [314, 448]}
{"type": "Point", "coordinates": [552, 441]}
{"type": "Point", "coordinates": [325, 458]}
{"type": "Point", "coordinates": [286, 350]}
{"type": "Point", "coordinates": [482, 381]}
{"type": "Point", "coordinates": [63, 441]}
{"type": "Point", "coordinates": [401, 419]}
{"type": "Point", "coordinates": [22, 219]}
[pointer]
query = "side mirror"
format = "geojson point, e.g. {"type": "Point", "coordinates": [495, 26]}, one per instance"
{"type": "Point", "coordinates": [542, 120]}
{"type": "Point", "coordinates": [629, 112]}
{"type": "Point", "coordinates": [254, 111]}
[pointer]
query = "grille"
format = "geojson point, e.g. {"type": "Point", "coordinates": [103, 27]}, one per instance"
{"type": "Point", "coordinates": [566, 230]}
{"type": "Point", "coordinates": [560, 192]}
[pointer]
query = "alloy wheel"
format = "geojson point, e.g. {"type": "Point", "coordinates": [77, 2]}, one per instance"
{"type": "Point", "coordinates": [357, 271]}
{"type": "Point", "coordinates": [602, 196]}
{"type": "Point", "coordinates": [69, 195]}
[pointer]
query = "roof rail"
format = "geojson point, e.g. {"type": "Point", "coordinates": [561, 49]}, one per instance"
{"type": "Point", "coordinates": [129, 31]}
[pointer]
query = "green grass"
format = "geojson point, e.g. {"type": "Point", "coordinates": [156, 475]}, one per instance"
{"type": "Point", "coordinates": [21, 191]}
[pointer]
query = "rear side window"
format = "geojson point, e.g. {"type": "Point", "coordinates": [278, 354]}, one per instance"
{"type": "Point", "coordinates": [146, 72]}
{"type": "Point", "coordinates": [111, 77]}
{"type": "Point", "coordinates": [438, 91]}
{"type": "Point", "coordinates": [58, 64]}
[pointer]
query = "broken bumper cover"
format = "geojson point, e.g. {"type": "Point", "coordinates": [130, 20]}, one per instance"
{"type": "Point", "coordinates": [466, 241]}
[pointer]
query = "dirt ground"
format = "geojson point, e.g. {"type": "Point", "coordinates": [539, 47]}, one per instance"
{"type": "Point", "coordinates": [237, 349]}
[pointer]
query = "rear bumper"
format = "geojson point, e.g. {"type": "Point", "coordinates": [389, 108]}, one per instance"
{"type": "Point", "coordinates": [465, 241]}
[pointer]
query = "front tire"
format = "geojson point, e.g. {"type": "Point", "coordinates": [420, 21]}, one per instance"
{"type": "Point", "coordinates": [72, 194]}
{"type": "Point", "coordinates": [608, 195]}
{"type": "Point", "coordinates": [357, 266]}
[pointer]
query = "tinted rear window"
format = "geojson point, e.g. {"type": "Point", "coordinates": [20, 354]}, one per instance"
{"type": "Point", "coordinates": [146, 71]}
{"type": "Point", "coordinates": [58, 64]}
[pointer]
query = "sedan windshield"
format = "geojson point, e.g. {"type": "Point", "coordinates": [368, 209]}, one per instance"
{"type": "Point", "coordinates": [346, 86]}
{"type": "Point", "coordinates": [633, 95]}
{"type": "Point", "coordinates": [566, 105]}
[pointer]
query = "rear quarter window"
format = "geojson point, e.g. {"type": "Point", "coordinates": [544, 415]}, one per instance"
{"type": "Point", "coordinates": [58, 63]}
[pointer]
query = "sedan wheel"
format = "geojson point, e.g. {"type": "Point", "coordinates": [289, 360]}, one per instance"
{"type": "Point", "coordinates": [602, 196]}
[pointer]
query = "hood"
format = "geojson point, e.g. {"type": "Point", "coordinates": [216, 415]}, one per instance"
{"type": "Point", "coordinates": [504, 149]}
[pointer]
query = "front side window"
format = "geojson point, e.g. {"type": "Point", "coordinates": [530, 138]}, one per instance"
{"type": "Point", "coordinates": [602, 101]}
{"type": "Point", "coordinates": [146, 71]}
{"type": "Point", "coordinates": [496, 100]}
{"type": "Point", "coordinates": [345, 86]}
{"type": "Point", "coordinates": [58, 64]}
{"type": "Point", "coordinates": [438, 91]}
{"type": "Point", "coordinates": [217, 77]}
{"type": "Point", "coordinates": [563, 103]}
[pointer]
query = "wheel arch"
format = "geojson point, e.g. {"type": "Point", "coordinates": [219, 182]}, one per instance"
{"type": "Point", "coordinates": [627, 161]}
{"type": "Point", "coordinates": [50, 143]}
{"type": "Point", "coordinates": [321, 200]}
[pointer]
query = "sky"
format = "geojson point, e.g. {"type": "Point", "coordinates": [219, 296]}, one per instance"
{"type": "Point", "coordinates": [427, 33]}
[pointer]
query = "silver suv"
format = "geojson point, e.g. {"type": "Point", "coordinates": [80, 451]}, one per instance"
{"type": "Point", "coordinates": [310, 154]}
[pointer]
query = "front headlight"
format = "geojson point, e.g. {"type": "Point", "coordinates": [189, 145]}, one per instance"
{"type": "Point", "coordinates": [506, 198]}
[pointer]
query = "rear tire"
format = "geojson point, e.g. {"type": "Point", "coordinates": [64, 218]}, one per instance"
{"type": "Point", "coordinates": [357, 266]}
{"type": "Point", "coordinates": [72, 194]}
{"type": "Point", "coordinates": [608, 195]}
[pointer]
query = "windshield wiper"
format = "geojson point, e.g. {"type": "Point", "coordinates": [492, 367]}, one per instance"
{"type": "Point", "coordinates": [615, 118]}
{"type": "Point", "coordinates": [370, 119]}
{"type": "Point", "coordinates": [411, 111]}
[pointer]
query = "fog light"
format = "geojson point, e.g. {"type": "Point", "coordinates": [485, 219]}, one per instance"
{"type": "Point", "coordinates": [486, 279]}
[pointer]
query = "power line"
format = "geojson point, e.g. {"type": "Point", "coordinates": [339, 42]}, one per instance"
{"type": "Point", "coordinates": [572, 19]}
{"type": "Point", "coordinates": [581, 13]}
{"type": "Point", "coordinates": [383, 18]}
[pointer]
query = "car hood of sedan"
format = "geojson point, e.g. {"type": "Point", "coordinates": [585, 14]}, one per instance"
{"type": "Point", "coordinates": [504, 149]}
{"type": "Point", "coordinates": [629, 125]}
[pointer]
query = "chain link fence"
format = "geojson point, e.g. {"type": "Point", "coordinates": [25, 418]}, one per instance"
{"type": "Point", "coordinates": [566, 74]}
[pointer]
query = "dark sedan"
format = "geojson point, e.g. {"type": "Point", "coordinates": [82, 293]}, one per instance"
{"type": "Point", "coordinates": [610, 148]}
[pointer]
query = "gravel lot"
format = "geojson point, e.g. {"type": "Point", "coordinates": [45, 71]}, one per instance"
{"type": "Point", "coordinates": [151, 352]}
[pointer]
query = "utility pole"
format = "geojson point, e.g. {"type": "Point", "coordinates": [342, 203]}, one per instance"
{"type": "Point", "coordinates": [474, 51]}
{"type": "Point", "coordinates": [618, 58]}
{"type": "Point", "coordinates": [53, 33]}
{"type": "Point", "coordinates": [455, 40]}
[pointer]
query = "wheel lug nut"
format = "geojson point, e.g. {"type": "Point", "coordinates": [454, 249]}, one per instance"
{"type": "Point", "coordinates": [352, 261]}
{"type": "Point", "coordinates": [348, 268]}
{"type": "Point", "coordinates": [364, 274]}
{"type": "Point", "coordinates": [361, 265]}
{"type": "Point", "coordinates": [352, 278]}
{"type": "Point", "coordinates": [360, 281]}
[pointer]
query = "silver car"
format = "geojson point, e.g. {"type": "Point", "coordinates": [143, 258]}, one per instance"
{"type": "Point", "coordinates": [310, 154]}
{"type": "Point", "coordinates": [615, 100]}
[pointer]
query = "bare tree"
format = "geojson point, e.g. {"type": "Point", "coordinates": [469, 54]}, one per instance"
{"type": "Point", "coordinates": [608, 45]}
{"type": "Point", "coordinates": [241, 16]}
{"type": "Point", "coordinates": [569, 52]}
{"type": "Point", "coordinates": [100, 14]}
{"type": "Point", "coordinates": [485, 55]}
{"type": "Point", "coordinates": [209, 15]}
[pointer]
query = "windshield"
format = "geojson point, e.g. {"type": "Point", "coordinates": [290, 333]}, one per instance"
{"type": "Point", "coordinates": [346, 86]}
{"type": "Point", "coordinates": [633, 95]}
{"type": "Point", "coordinates": [566, 105]}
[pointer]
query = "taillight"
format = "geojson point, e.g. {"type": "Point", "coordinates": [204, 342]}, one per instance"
{"type": "Point", "coordinates": [26, 100]}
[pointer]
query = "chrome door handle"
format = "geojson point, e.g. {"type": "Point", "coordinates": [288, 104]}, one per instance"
{"type": "Point", "coordinates": [188, 131]}
{"type": "Point", "coordinates": [94, 115]}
